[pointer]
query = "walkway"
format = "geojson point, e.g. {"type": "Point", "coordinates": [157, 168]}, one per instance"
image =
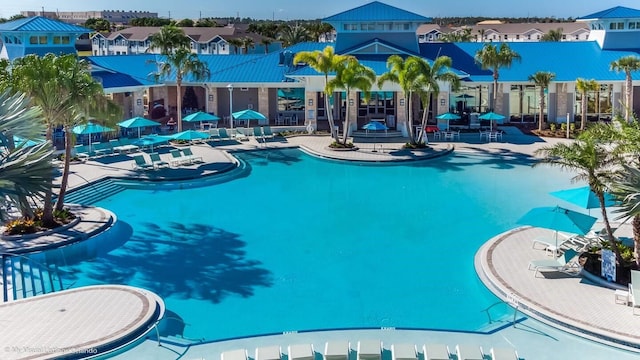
{"type": "Point", "coordinates": [77, 323]}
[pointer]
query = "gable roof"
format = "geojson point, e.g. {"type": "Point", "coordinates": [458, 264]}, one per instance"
{"type": "Point", "coordinates": [197, 34]}
{"type": "Point", "coordinates": [39, 24]}
{"type": "Point", "coordinates": [376, 11]}
{"type": "Point", "coordinates": [617, 12]}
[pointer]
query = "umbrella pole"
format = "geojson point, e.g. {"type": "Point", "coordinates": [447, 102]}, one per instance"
{"type": "Point", "coordinates": [138, 132]}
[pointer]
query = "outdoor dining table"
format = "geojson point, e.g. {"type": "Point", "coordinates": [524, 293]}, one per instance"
{"type": "Point", "coordinates": [491, 135]}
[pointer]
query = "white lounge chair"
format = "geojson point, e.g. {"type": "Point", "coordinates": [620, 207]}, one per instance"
{"type": "Point", "coordinates": [337, 350]}
{"type": "Point", "coordinates": [549, 244]}
{"type": "Point", "coordinates": [240, 354]}
{"type": "Point", "coordinates": [369, 350]}
{"type": "Point", "coordinates": [634, 290]}
{"type": "Point", "coordinates": [567, 263]}
{"type": "Point", "coordinates": [436, 352]}
{"type": "Point", "coordinates": [503, 354]}
{"type": "Point", "coordinates": [269, 353]}
{"type": "Point", "coordinates": [404, 352]}
{"type": "Point", "coordinates": [301, 352]}
{"type": "Point", "coordinates": [469, 352]}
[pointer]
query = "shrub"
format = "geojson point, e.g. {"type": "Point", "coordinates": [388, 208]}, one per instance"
{"type": "Point", "coordinates": [339, 145]}
{"type": "Point", "coordinates": [552, 126]}
{"type": "Point", "coordinates": [420, 145]}
{"type": "Point", "coordinates": [22, 226]}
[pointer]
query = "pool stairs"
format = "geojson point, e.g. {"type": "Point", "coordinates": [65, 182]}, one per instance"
{"type": "Point", "coordinates": [93, 193]}
{"type": "Point", "coordinates": [23, 277]}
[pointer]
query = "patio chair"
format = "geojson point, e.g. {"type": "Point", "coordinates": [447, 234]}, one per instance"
{"type": "Point", "coordinates": [337, 350]}
{"type": "Point", "coordinates": [503, 354]}
{"type": "Point", "coordinates": [269, 353]}
{"type": "Point", "coordinates": [177, 158]}
{"type": "Point", "coordinates": [267, 132]}
{"type": "Point", "coordinates": [436, 352]}
{"type": "Point", "coordinates": [157, 161]}
{"type": "Point", "coordinates": [188, 154]}
{"type": "Point", "coordinates": [404, 352]}
{"type": "Point", "coordinates": [566, 264]}
{"type": "Point", "coordinates": [469, 352]}
{"type": "Point", "coordinates": [241, 135]}
{"type": "Point", "coordinates": [369, 350]}
{"type": "Point", "coordinates": [240, 354]}
{"type": "Point", "coordinates": [634, 290]}
{"type": "Point", "coordinates": [140, 163]}
{"type": "Point", "coordinates": [257, 133]}
{"type": "Point", "coordinates": [81, 151]}
{"type": "Point", "coordinates": [301, 352]}
{"type": "Point", "coordinates": [223, 134]}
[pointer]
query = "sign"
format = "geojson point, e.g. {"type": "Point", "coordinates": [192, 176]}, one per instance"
{"type": "Point", "coordinates": [608, 265]}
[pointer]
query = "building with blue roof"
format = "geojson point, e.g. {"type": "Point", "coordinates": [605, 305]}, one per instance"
{"type": "Point", "coordinates": [282, 91]}
{"type": "Point", "coordinates": [38, 35]}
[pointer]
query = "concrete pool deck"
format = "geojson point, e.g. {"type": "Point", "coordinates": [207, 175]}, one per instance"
{"type": "Point", "coordinates": [519, 336]}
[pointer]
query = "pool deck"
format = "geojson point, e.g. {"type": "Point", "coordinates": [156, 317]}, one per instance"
{"type": "Point", "coordinates": [501, 263]}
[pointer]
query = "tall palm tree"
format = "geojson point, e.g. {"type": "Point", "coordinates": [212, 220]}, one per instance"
{"type": "Point", "coordinates": [325, 62]}
{"type": "Point", "coordinates": [352, 75]}
{"type": "Point", "coordinates": [429, 77]}
{"type": "Point", "coordinates": [626, 188]}
{"type": "Point", "coordinates": [293, 34]}
{"type": "Point", "coordinates": [584, 86]}
{"type": "Point", "coordinates": [25, 172]}
{"type": "Point", "coordinates": [236, 43]}
{"type": "Point", "coordinates": [490, 57]}
{"type": "Point", "coordinates": [554, 35]}
{"type": "Point", "coordinates": [542, 79]}
{"type": "Point", "coordinates": [405, 73]}
{"type": "Point", "coordinates": [169, 38]}
{"type": "Point", "coordinates": [593, 162]}
{"type": "Point", "coordinates": [266, 42]}
{"type": "Point", "coordinates": [628, 64]}
{"type": "Point", "coordinates": [247, 43]}
{"type": "Point", "coordinates": [181, 63]}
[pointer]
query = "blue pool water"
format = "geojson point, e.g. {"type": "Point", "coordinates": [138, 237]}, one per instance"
{"type": "Point", "coordinates": [303, 243]}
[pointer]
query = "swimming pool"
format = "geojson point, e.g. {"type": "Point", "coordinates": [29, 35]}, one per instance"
{"type": "Point", "coordinates": [304, 243]}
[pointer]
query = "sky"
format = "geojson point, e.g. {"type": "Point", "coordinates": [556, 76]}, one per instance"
{"type": "Point", "coordinates": [317, 9]}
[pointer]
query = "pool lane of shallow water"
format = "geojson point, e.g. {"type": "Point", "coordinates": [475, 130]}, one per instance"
{"type": "Point", "coordinates": [303, 243]}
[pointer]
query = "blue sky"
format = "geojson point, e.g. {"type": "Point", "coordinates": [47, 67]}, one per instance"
{"type": "Point", "coordinates": [305, 9]}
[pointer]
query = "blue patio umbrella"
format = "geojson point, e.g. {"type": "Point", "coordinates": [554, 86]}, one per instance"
{"type": "Point", "coordinates": [584, 197]}
{"type": "Point", "coordinates": [26, 142]}
{"type": "Point", "coordinates": [189, 135]}
{"type": "Point", "coordinates": [248, 115]}
{"type": "Point", "coordinates": [375, 126]}
{"type": "Point", "coordinates": [448, 116]}
{"type": "Point", "coordinates": [491, 116]}
{"type": "Point", "coordinates": [138, 122]}
{"type": "Point", "coordinates": [200, 116]}
{"type": "Point", "coordinates": [151, 140]}
{"type": "Point", "coordinates": [558, 219]}
{"type": "Point", "coordinates": [90, 128]}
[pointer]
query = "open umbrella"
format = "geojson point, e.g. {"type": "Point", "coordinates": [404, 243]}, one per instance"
{"type": "Point", "coordinates": [90, 128]}
{"type": "Point", "coordinates": [558, 219]}
{"type": "Point", "coordinates": [248, 115]}
{"type": "Point", "coordinates": [448, 116]}
{"type": "Point", "coordinates": [375, 126]}
{"type": "Point", "coordinates": [584, 197]}
{"type": "Point", "coordinates": [200, 117]}
{"type": "Point", "coordinates": [491, 116]}
{"type": "Point", "coordinates": [151, 140]}
{"type": "Point", "coordinates": [138, 122]}
{"type": "Point", "coordinates": [189, 135]}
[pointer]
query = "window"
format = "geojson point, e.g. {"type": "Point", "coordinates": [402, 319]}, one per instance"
{"type": "Point", "coordinates": [517, 37]}
{"type": "Point", "coordinates": [61, 40]}
{"type": "Point", "coordinates": [7, 40]}
{"type": "Point", "coordinates": [620, 25]}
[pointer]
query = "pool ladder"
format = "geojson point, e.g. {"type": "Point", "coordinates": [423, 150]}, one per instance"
{"type": "Point", "coordinates": [24, 277]}
{"type": "Point", "coordinates": [511, 300]}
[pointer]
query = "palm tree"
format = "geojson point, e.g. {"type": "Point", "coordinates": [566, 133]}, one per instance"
{"type": "Point", "coordinates": [236, 43]}
{"type": "Point", "coordinates": [626, 188]}
{"type": "Point", "coordinates": [247, 43]}
{"type": "Point", "coordinates": [429, 75]}
{"type": "Point", "coordinates": [405, 73]}
{"type": "Point", "coordinates": [25, 172]}
{"type": "Point", "coordinates": [542, 79]}
{"type": "Point", "coordinates": [584, 86]}
{"type": "Point", "coordinates": [181, 63]}
{"type": "Point", "coordinates": [290, 35]}
{"type": "Point", "coordinates": [628, 64]}
{"type": "Point", "coordinates": [324, 62]}
{"type": "Point", "coordinates": [554, 35]}
{"type": "Point", "coordinates": [490, 57]}
{"type": "Point", "coordinates": [266, 42]}
{"type": "Point", "coordinates": [592, 161]}
{"type": "Point", "coordinates": [169, 38]}
{"type": "Point", "coordinates": [352, 75]}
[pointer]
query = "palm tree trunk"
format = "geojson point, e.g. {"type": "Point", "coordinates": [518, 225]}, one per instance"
{"type": "Point", "coordinates": [636, 239]}
{"type": "Point", "coordinates": [541, 124]}
{"type": "Point", "coordinates": [179, 102]}
{"type": "Point", "coordinates": [607, 225]}
{"type": "Point", "coordinates": [64, 182]}
{"type": "Point", "coordinates": [584, 110]}
{"type": "Point", "coordinates": [409, 115]}
{"type": "Point", "coordinates": [329, 110]}
{"type": "Point", "coordinates": [495, 90]}
{"type": "Point", "coordinates": [345, 131]}
{"type": "Point", "coordinates": [425, 115]}
{"type": "Point", "coordinates": [629, 87]}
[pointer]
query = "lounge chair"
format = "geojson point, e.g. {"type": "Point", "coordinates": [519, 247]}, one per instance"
{"type": "Point", "coordinates": [81, 152]}
{"type": "Point", "coordinates": [124, 145]}
{"type": "Point", "coordinates": [269, 353]}
{"type": "Point", "coordinates": [257, 133]}
{"type": "Point", "coordinates": [634, 290]}
{"type": "Point", "coordinates": [404, 352]}
{"type": "Point", "coordinates": [157, 161]}
{"type": "Point", "coordinates": [188, 154]}
{"type": "Point", "coordinates": [267, 132]}
{"type": "Point", "coordinates": [503, 354]}
{"type": "Point", "coordinates": [566, 264]}
{"type": "Point", "coordinates": [241, 135]}
{"type": "Point", "coordinates": [223, 134]}
{"type": "Point", "coordinates": [469, 352]}
{"type": "Point", "coordinates": [337, 350]}
{"type": "Point", "coordinates": [177, 158]}
{"type": "Point", "coordinates": [102, 148]}
{"type": "Point", "coordinates": [301, 352]}
{"type": "Point", "coordinates": [141, 163]}
{"type": "Point", "coordinates": [369, 350]}
{"type": "Point", "coordinates": [549, 244]}
{"type": "Point", "coordinates": [240, 354]}
{"type": "Point", "coordinates": [436, 352]}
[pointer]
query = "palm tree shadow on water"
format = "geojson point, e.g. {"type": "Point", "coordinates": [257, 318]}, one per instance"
{"type": "Point", "coordinates": [187, 261]}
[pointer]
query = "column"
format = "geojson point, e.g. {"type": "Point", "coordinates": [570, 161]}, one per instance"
{"type": "Point", "coordinates": [311, 112]}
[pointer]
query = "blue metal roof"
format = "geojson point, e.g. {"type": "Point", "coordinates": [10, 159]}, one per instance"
{"type": "Point", "coordinates": [41, 24]}
{"type": "Point", "coordinates": [569, 60]}
{"type": "Point", "coordinates": [115, 80]}
{"type": "Point", "coordinates": [618, 12]}
{"type": "Point", "coordinates": [18, 51]}
{"type": "Point", "coordinates": [376, 11]}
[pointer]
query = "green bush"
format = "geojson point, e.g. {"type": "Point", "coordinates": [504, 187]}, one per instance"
{"type": "Point", "coordinates": [552, 126]}
{"type": "Point", "coordinates": [339, 145]}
